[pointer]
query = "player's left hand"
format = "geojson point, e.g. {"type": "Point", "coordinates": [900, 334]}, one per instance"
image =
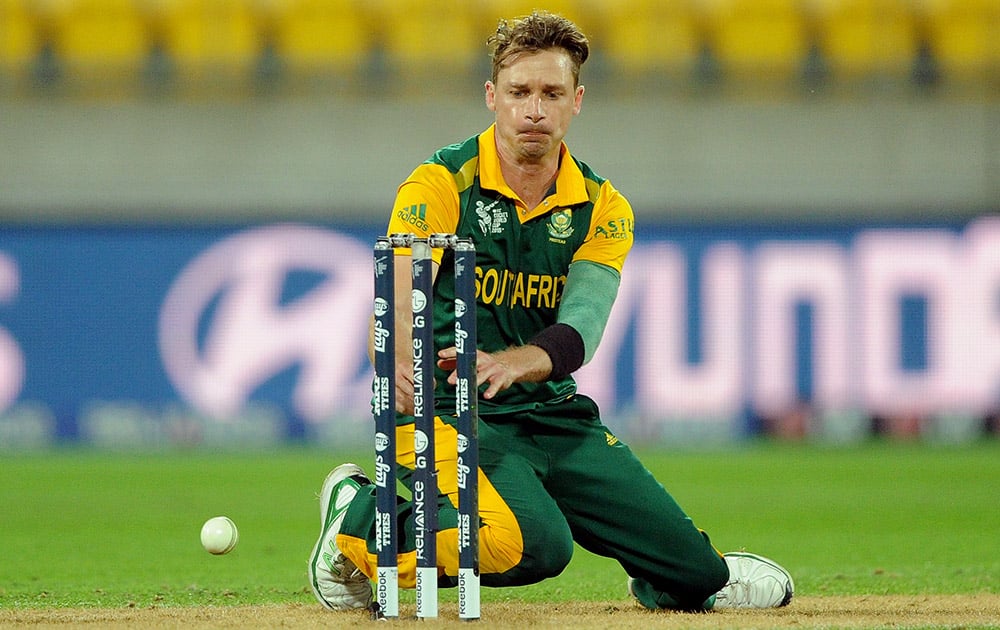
{"type": "Point", "coordinates": [500, 369]}
{"type": "Point", "coordinates": [489, 369]}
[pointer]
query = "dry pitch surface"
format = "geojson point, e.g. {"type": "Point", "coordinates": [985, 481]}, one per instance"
{"type": "Point", "coordinates": [890, 611]}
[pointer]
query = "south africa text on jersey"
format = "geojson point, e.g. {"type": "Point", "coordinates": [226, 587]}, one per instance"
{"type": "Point", "coordinates": [512, 289]}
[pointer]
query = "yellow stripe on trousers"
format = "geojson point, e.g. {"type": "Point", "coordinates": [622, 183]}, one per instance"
{"type": "Point", "coordinates": [500, 542]}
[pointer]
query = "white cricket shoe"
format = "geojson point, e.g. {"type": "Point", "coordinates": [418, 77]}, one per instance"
{"type": "Point", "coordinates": [335, 580]}
{"type": "Point", "coordinates": [754, 582]}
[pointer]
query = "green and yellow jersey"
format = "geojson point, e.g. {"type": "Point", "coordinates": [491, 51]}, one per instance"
{"type": "Point", "coordinates": [523, 254]}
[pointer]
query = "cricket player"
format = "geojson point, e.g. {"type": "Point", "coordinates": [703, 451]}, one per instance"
{"type": "Point", "coordinates": [551, 237]}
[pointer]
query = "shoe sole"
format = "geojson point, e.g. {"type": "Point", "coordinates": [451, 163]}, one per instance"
{"type": "Point", "coordinates": [789, 586]}
{"type": "Point", "coordinates": [334, 479]}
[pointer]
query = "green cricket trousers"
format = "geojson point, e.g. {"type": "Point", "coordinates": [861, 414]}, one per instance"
{"type": "Point", "coordinates": [548, 477]}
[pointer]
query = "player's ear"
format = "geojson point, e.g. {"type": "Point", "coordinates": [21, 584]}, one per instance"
{"type": "Point", "coordinates": [578, 100]}
{"type": "Point", "coordinates": [491, 103]}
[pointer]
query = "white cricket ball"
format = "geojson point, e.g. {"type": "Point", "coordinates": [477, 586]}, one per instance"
{"type": "Point", "coordinates": [219, 535]}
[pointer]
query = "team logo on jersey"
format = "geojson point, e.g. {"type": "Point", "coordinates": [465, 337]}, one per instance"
{"type": "Point", "coordinates": [560, 224]}
{"type": "Point", "coordinates": [491, 217]}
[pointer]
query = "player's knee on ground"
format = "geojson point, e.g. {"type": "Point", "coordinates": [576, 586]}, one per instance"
{"type": "Point", "coordinates": [546, 554]}
{"type": "Point", "coordinates": [548, 558]}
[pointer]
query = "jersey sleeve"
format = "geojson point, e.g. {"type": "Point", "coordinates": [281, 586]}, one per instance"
{"type": "Point", "coordinates": [426, 203]}
{"type": "Point", "coordinates": [611, 230]}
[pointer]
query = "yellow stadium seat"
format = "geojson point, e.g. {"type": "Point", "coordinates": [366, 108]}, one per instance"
{"type": "Point", "coordinates": [98, 34]}
{"type": "Point", "coordinates": [651, 35]}
{"type": "Point", "coordinates": [964, 35]}
{"type": "Point", "coordinates": [209, 35]}
{"type": "Point", "coordinates": [431, 40]}
{"type": "Point", "coordinates": [866, 37]}
{"type": "Point", "coordinates": [19, 39]}
{"type": "Point", "coordinates": [757, 37]}
{"type": "Point", "coordinates": [322, 34]}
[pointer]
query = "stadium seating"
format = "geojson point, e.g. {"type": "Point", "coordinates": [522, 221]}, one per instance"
{"type": "Point", "coordinates": [757, 38]}
{"type": "Point", "coordinates": [649, 36]}
{"type": "Point", "coordinates": [427, 40]}
{"type": "Point", "coordinates": [19, 38]}
{"type": "Point", "coordinates": [419, 40]}
{"type": "Point", "coordinates": [964, 36]}
{"type": "Point", "coordinates": [100, 36]}
{"type": "Point", "coordinates": [322, 35]}
{"type": "Point", "coordinates": [866, 38]}
{"type": "Point", "coordinates": [206, 36]}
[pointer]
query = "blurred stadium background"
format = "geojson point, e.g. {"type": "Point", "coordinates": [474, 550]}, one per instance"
{"type": "Point", "coordinates": [155, 154]}
{"type": "Point", "coordinates": [207, 42]}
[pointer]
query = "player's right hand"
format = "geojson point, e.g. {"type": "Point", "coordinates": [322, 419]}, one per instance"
{"type": "Point", "coordinates": [404, 388]}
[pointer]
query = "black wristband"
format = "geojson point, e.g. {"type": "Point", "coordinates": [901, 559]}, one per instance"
{"type": "Point", "coordinates": [564, 345]}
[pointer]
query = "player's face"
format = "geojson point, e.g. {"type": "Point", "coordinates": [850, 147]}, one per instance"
{"type": "Point", "coordinates": [534, 100]}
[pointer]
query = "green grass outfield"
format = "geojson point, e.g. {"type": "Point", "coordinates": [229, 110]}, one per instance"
{"type": "Point", "coordinates": [88, 528]}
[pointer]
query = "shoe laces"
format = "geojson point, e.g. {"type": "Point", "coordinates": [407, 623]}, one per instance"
{"type": "Point", "coordinates": [349, 572]}
{"type": "Point", "coordinates": [735, 592]}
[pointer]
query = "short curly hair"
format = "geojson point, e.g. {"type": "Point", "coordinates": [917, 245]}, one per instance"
{"type": "Point", "coordinates": [539, 31]}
